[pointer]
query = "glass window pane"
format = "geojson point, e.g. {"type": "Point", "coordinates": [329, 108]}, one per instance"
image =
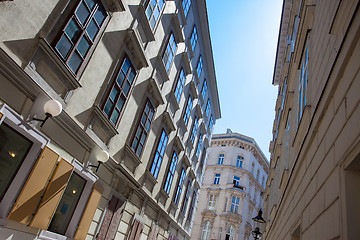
{"type": "Point", "coordinates": [83, 46]}
{"type": "Point", "coordinates": [90, 3]}
{"type": "Point", "coordinates": [138, 152]}
{"type": "Point", "coordinates": [152, 23]}
{"type": "Point", "coordinates": [64, 46]}
{"type": "Point", "coordinates": [67, 204]}
{"type": "Point", "coordinates": [82, 13]}
{"type": "Point", "coordinates": [126, 65]}
{"type": "Point", "coordinates": [100, 15]}
{"type": "Point", "coordinates": [75, 62]}
{"type": "Point", "coordinates": [147, 125]}
{"type": "Point", "coordinates": [126, 88]}
{"type": "Point", "coordinates": [92, 29]}
{"type": "Point", "coordinates": [120, 103]}
{"type": "Point", "coordinates": [120, 78]}
{"type": "Point", "coordinates": [115, 115]}
{"type": "Point", "coordinates": [108, 107]}
{"type": "Point", "coordinates": [156, 13]}
{"type": "Point", "coordinates": [142, 140]}
{"type": "Point", "coordinates": [73, 31]}
{"type": "Point", "coordinates": [13, 149]}
{"type": "Point", "coordinates": [131, 76]}
{"type": "Point", "coordinates": [113, 94]}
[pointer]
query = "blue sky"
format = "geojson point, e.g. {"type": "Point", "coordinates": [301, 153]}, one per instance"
{"type": "Point", "coordinates": [244, 38]}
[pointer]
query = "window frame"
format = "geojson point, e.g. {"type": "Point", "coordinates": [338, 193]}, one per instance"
{"type": "Point", "coordinates": [236, 180]}
{"type": "Point", "coordinates": [303, 80]}
{"type": "Point", "coordinates": [180, 83]}
{"type": "Point", "coordinates": [120, 93]}
{"type": "Point", "coordinates": [156, 162]}
{"type": "Point", "coordinates": [217, 179]}
{"type": "Point", "coordinates": [187, 110]}
{"type": "Point", "coordinates": [169, 53]}
{"type": "Point", "coordinates": [186, 4]}
{"type": "Point", "coordinates": [152, 13]}
{"type": "Point", "coordinates": [199, 67]}
{"type": "Point", "coordinates": [179, 187]}
{"type": "Point", "coordinates": [193, 38]}
{"type": "Point", "coordinates": [206, 229]}
{"type": "Point", "coordinates": [186, 196]}
{"type": "Point", "coordinates": [170, 172]}
{"type": "Point", "coordinates": [204, 89]}
{"type": "Point", "coordinates": [235, 204]}
{"type": "Point", "coordinates": [239, 161]}
{"type": "Point", "coordinates": [194, 129]}
{"type": "Point", "coordinates": [221, 159]}
{"type": "Point", "coordinates": [211, 202]}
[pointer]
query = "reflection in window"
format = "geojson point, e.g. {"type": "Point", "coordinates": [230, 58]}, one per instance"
{"type": "Point", "coordinates": [119, 91]}
{"type": "Point", "coordinates": [153, 11]}
{"type": "Point", "coordinates": [67, 204]}
{"type": "Point", "coordinates": [80, 32]}
{"type": "Point", "coordinates": [13, 149]}
{"type": "Point", "coordinates": [303, 82]}
{"type": "Point", "coordinates": [239, 161]}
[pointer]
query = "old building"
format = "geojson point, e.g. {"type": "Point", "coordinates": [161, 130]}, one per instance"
{"type": "Point", "coordinates": [313, 185]}
{"type": "Point", "coordinates": [230, 196]}
{"type": "Point", "coordinates": [121, 152]}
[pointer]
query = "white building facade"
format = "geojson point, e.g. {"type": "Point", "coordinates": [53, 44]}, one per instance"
{"type": "Point", "coordinates": [231, 193]}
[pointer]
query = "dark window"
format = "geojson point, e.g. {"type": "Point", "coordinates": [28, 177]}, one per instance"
{"type": "Point", "coordinates": [119, 91]}
{"type": "Point", "coordinates": [159, 154]}
{"type": "Point", "coordinates": [187, 196]}
{"type": "Point", "coordinates": [217, 178]}
{"type": "Point", "coordinates": [80, 33]}
{"type": "Point", "coordinates": [170, 51]}
{"type": "Point", "coordinates": [192, 206]}
{"type": "Point", "coordinates": [170, 174]}
{"type": "Point", "coordinates": [153, 11]}
{"type": "Point", "coordinates": [143, 128]}
{"type": "Point", "coordinates": [179, 187]}
{"type": "Point", "coordinates": [188, 110]}
{"type": "Point", "coordinates": [180, 85]}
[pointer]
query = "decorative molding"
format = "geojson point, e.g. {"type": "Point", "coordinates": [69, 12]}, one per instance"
{"type": "Point", "coordinates": [177, 28]}
{"type": "Point", "coordinates": [167, 119]}
{"type": "Point", "coordinates": [154, 90]}
{"type": "Point", "coordinates": [186, 61]}
{"type": "Point", "coordinates": [145, 23]}
{"type": "Point", "coordinates": [135, 47]}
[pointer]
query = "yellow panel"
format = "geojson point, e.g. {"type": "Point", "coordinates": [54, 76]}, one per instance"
{"type": "Point", "coordinates": [89, 212]}
{"type": "Point", "coordinates": [52, 195]}
{"type": "Point", "coordinates": [34, 187]}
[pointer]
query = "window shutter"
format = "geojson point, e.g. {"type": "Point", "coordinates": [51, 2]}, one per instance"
{"type": "Point", "coordinates": [52, 195]}
{"type": "Point", "coordinates": [136, 230]}
{"type": "Point", "coordinates": [34, 187]}
{"type": "Point", "coordinates": [111, 220]}
{"type": "Point", "coordinates": [89, 212]}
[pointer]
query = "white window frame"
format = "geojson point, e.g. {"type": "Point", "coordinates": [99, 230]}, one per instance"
{"type": "Point", "coordinates": [211, 202]}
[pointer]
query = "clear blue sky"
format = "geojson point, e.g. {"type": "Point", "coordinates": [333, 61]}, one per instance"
{"type": "Point", "coordinates": [244, 37]}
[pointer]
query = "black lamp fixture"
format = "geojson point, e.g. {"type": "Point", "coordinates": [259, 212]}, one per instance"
{"type": "Point", "coordinates": [52, 108]}
{"type": "Point", "coordinates": [259, 217]}
{"type": "Point", "coordinates": [256, 234]}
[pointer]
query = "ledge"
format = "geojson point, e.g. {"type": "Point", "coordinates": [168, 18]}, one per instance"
{"type": "Point", "coordinates": [178, 143]}
{"type": "Point", "coordinates": [105, 122]}
{"type": "Point", "coordinates": [168, 121]}
{"type": "Point", "coordinates": [174, 102]}
{"type": "Point", "coordinates": [154, 90]}
{"type": "Point", "coordinates": [134, 45]}
{"type": "Point", "coordinates": [161, 68]}
{"type": "Point", "coordinates": [115, 5]}
{"type": "Point", "coordinates": [186, 161]}
{"type": "Point", "coordinates": [149, 181]}
{"type": "Point", "coordinates": [145, 23]}
{"type": "Point", "coordinates": [199, 111]}
{"type": "Point", "coordinates": [192, 88]}
{"type": "Point", "coordinates": [187, 65]}
{"type": "Point", "coordinates": [177, 28]}
{"type": "Point", "coordinates": [128, 151]}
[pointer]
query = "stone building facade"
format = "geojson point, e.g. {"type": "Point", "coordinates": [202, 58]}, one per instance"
{"type": "Point", "coordinates": [231, 193]}
{"type": "Point", "coordinates": [136, 83]}
{"type": "Point", "coordinates": [313, 186]}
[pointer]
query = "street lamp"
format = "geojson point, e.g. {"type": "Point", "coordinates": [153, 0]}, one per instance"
{"type": "Point", "coordinates": [52, 108]}
{"type": "Point", "coordinates": [259, 217]}
{"type": "Point", "coordinates": [101, 157]}
{"type": "Point", "coordinates": [256, 234]}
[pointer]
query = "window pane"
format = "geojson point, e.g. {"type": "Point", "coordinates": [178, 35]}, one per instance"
{"type": "Point", "coordinates": [64, 46]}
{"type": "Point", "coordinates": [147, 125]}
{"type": "Point", "coordinates": [67, 205]}
{"type": "Point", "coordinates": [152, 23]}
{"type": "Point", "coordinates": [115, 116]}
{"type": "Point", "coordinates": [138, 151]}
{"type": "Point", "coordinates": [92, 29]}
{"type": "Point", "coordinates": [120, 78]}
{"type": "Point", "coordinates": [90, 3]}
{"type": "Point", "coordinates": [120, 103]}
{"type": "Point", "coordinates": [82, 13]}
{"type": "Point", "coordinates": [126, 65]}
{"type": "Point", "coordinates": [126, 88]}
{"type": "Point", "coordinates": [75, 62]}
{"type": "Point", "coordinates": [113, 94]}
{"type": "Point", "coordinates": [131, 76]}
{"type": "Point", "coordinates": [13, 150]}
{"type": "Point", "coordinates": [108, 107]}
{"type": "Point", "coordinates": [83, 46]}
{"type": "Point", "coordinates": [73, 31]}
{"type": "Point", "coordinates": [100, 15]}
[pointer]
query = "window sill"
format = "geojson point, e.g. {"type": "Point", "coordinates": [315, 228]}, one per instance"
{"type": "Point", "coordinates": [154, 90]}
{"type": "Point", "coordinates": [177, 28]}
{"type": "Point", "coordinates": [100, 124]}
{"type": "Point", "coordinates": [149, 181]}
{"type": "Point", "coordinates": [130, 159]}
{"type": "Point", "coordinates": [133, 43]}
{"type": "Point", "coordinates": [169, 123]}
{"type": "Point", "coordinates": [186, 161]}
{"type": "Point", "coordinates": [178, 143]}
{"type": "Point", "coordinates": [145, 24]}
{"type": "Point", "coordinates": [173, 101]}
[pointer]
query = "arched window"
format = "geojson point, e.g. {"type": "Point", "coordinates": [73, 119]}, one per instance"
{"type": "Point", "coordinates": [230, 233]}
{"type": "Point", "coordinates": [206, 230]}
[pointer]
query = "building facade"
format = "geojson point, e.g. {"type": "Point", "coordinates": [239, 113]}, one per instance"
{"type": "Point", "coordinates": [232, 189]}
{"type": "Point", "coordinates": [121, 153]}
{"type": "Point", "coordinates": [312, 189]}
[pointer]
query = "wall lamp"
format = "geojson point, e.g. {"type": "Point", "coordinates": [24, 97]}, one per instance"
{"type": "Point", "coordinates": [259, 217]}
{"type": "Point", "coordinates": [256, 234]}
{"type": "Point", "coordinates": [101, 157]}
{"type": "Point", "coordinates": [52, 108]}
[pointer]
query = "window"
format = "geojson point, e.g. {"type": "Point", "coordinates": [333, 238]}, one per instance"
{"type": "Point", "coordinates": [220, 233]}
{"type": "Point", "coordinates": [194, 38]}
{"type": "Point", "coordinates": [236, 181]}
{"type": "Point", "coordinates": [169, 52]}
{"type": "Point", "coordinates": [217, 178]}
{"type": "Point", "coordinates": [303, 82]}
{"type": "Point", "coordinates": [80, 33]}
{"type": "Point", "coordinates": [188, 110]}
{"type": "Point", "coordinates": [211, 202]}
{"type": "Point", "coordinates": [221, 159]}
{"type": "Point", "coordinates": [180, 85]}
{"type": "Point", "coordinates": [263, 182]}
{"type": "Point", "coordinates": [186, 6]}
{"type": "Point", "coordinates": [153, 11]}
{"type": "Point", "coordinates": [187, 196]}
{"type": "Point", "coordinates": [143, 128]}
{"type": "Point", "coordinates": [197, 154]}
{"type": "Point", "coordinates": [171, 171]}
{"type": "Point", "coordinates": [230, 234]}
{"type": "Point", "coordinates": [204, 89]}
{"type": "Point", "coordinates": [239, 161]}
{"type": "Point", "coordinates": [192, 206]}
{"type": "Point", "coordinates": [257, 175]}
{"type": "Point", "coordinates": [159, 154]}
{"type": "Point", "coordinates": [119, 91]}
{"type": "Point", "coordinates": [235, 204]}
{"type": "Point", "coordinates": [206, 230]}
{"type": "Point", "coordinates": [208, 109]}
{"type": "Point", "coordinates": [211, 123]}
{"type": "Point", "coordinates": [179, 187]}
{"type": "Point", "coordinates": [199, 67]}
{"type": "Point", "coordinates": [252, 168]}
{"type": "Point", "coordinates": [194, 130]}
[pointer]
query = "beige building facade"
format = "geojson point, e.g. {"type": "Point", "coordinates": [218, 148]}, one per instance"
{"type": "Point", "coordinates": [232, 189]}
{"type": "Point", "coordinates": [120, 155]}
{"type": "Point", "coordinates": [312, 189]}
